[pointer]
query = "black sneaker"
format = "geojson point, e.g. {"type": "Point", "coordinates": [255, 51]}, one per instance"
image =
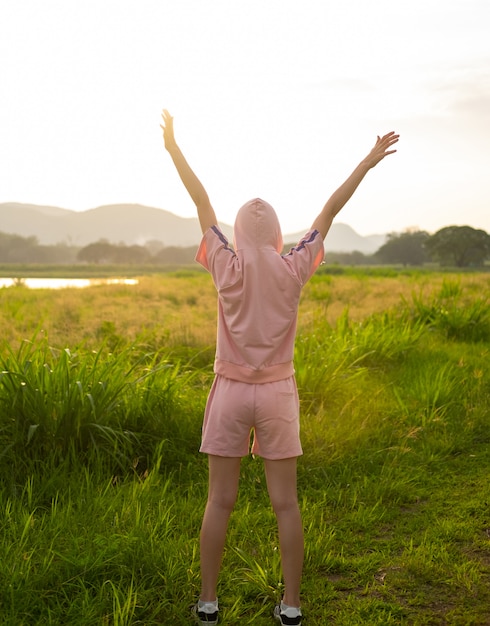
{"type": "Point", "coordinates": [206, 614]}
{"type": "Point", "coordinates": [289, 616]}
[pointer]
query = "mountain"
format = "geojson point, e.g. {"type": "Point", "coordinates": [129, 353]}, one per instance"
{"type": "Point", "coordinates": [343, 238]}
{"type": "Point", "coordinates": [137, 224]}
{"type": "Point", "coordinates": [117, 223]}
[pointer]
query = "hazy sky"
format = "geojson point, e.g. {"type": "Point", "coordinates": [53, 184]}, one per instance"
{"type": "Point", "coordinates": [272, 98]}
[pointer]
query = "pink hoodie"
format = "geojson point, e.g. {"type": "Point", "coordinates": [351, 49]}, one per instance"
{"type": "Point", "coordinates": [258, 293]}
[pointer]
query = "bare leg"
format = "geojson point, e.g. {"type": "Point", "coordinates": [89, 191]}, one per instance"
{"type": "Point", "coordinates": [281, 484]}
{"type": "Point", "coordinates": [224, 473]}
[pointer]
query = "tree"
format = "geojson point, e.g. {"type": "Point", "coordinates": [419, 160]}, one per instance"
{"type": "Point", "coordinates": [175, 255]}
{"type": "Point", "coordinates": [104, 252]}
{"type": "Point", "coordinates": [346, 258]}
{"type": "Point", "coordinates": [407, 248]}
{"type": "Point", "coordinates": [461, 246]}
{"type": "Point", "coordinates": [100, 252]}
{"type": "Point", "coordinates": [130, 254]}
{"type": "Point", "coordinates": [17, 249]}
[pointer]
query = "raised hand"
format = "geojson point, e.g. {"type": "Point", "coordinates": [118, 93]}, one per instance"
{"type": "Point", "coordinates": [195, 189]}
{"type": "Point", "coordinates": [339, 197]}
{"type": "Point", "coordinates": [168, 129]}
{"type": "Point", "coordinates": [381, 148]}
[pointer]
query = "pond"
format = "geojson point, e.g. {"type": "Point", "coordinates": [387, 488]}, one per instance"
{"type": "Point", "coordinates": [63, 283]}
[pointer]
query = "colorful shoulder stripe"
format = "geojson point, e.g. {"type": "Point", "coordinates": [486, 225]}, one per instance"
{"type": "Point", "coordinates": [303, 242]}
{"type": "Point", "coordinates": [223, 239]}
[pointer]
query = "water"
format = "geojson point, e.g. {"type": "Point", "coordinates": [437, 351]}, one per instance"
{"type": "Point", "coordinates": [63, 283]}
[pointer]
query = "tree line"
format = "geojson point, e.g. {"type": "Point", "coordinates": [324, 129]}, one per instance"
{"type": "Point", "coordinates": [455, 246]}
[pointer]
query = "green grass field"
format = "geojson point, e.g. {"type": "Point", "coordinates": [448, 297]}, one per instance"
{"type": "Point", "coordinates": [102, 488]}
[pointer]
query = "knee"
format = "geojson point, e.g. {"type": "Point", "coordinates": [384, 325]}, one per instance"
{"type": "Point", "coordinates": [224, 500]}
{"type": "Point", "coordinates": [285, 505]}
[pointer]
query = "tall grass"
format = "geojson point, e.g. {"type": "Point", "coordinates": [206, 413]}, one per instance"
{"type": "Point", "coordinates": [455, 315]}
{"type": "Point", "coordinates": [58, 404]}
{"type": "Point", "coordinates": [102, 488]}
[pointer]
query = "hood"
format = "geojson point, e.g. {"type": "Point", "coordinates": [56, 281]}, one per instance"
{"type": "Point", "coordinates": [257, 226]}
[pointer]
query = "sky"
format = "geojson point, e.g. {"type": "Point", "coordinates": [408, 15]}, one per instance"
{"type": "Point", "coordinates": [278, 99]}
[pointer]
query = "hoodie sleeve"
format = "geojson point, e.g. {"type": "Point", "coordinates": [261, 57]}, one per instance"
{"type": "Point", "coordinates": [304, 258]}
{"type": "Point", "coordinates": [216, 256]}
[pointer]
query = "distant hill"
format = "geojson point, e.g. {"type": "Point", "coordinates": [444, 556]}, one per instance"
{"type": "Point", "coordinates": [343, 238]}
{"type": "Point", "coordinates": [138, 224]}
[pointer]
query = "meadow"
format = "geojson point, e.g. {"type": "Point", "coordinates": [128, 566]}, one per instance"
{"type": "Point", "coordinates": [102, 488]}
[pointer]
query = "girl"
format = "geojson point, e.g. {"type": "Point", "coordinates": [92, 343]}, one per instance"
{"type": "Point", "coordinates": [254, 389]}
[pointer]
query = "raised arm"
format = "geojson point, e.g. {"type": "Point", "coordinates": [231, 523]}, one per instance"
{"type": "Point", "coordinates": [205, 211]}
{"type": "Point", "coordinates": [338, 199]}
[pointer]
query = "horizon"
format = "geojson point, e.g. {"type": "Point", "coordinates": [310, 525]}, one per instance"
{"type": "Point", "coordinates": [299, 232]}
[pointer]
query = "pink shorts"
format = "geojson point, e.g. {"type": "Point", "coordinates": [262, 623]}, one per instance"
{"type": "Point", "coordinates": [234, 409]}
